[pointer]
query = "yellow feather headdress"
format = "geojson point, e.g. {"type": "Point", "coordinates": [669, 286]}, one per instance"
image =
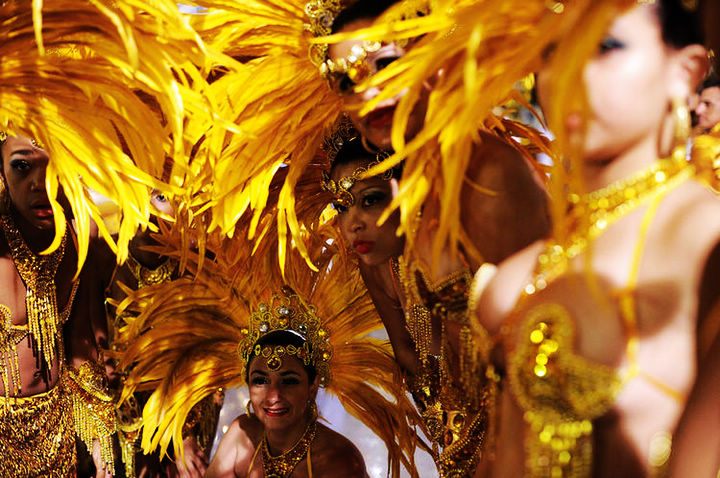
{"type": "Point", "coordinates": [280, 106]}
{"type": "Point", "coordinates": [73, 76]}
{"type": "Point", "coordinates": [284, 106]}
{"type": "Point", "coordinates": [190, 337]}
{"type": "Point", "coordinates": [477, 51]}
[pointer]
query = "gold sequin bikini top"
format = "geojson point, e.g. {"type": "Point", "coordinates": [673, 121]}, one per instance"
{"type": "Point", "coordinates": [559, 391]}
{"type": "Point", "coordinates": [451, 389]}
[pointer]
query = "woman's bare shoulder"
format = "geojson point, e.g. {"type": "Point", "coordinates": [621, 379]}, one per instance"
{"type": "Point", "coordinates": [503, 290]}
{"type": "Point", "coordinates": [334, 455]}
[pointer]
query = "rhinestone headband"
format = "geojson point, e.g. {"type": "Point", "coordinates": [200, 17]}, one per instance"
{"type": "Point", "coordinates": [287, 312]}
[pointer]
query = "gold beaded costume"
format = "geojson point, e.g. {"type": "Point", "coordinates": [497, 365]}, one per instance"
{"type": "Point", "coordinates": [193, 336]}
{"type": "Point", "coordinates": [455, 389]}
{"type": "Point", "coordinates": [37, 435]}
{"type": "Point", "coordinates": [561, 393]}
{"type": "Point", "coordinates": [38, 432]}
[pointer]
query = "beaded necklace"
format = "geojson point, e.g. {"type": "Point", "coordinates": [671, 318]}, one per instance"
{"type": "Point", "coordinates": [604, 207]}
{"type": "Point", "coordinates": [146, 276]}
{"type": "Point", "coordinates": [38, 275]}
{"type": "Point", "coordinates": [282, 466]}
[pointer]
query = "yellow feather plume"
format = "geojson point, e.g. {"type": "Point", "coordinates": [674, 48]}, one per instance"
{"type": "Point", "coordinates": [73, 73]}
{"type": "Point", "coordinates": [279, 104]}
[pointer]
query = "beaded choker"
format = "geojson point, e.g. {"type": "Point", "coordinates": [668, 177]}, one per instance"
{"type": "Point", "coordinates": [283, 465]}
{"type": "Point", "coordinates": [146, 276]}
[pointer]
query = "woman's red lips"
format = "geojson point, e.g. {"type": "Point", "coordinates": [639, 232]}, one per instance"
{"type": "Point", "coordinates": [275, 412]}
{"type": "Point", "coordinates": [363, 247]}
{"type": "Point", "coordinates": [42, 210]}
{"type": "Point", "coordinates": [381, 117]}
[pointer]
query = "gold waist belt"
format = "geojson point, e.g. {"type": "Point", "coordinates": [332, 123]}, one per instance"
{"type": "Point", "coordinates": [37, 436]}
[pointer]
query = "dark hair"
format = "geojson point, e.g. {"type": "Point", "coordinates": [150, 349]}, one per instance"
{"type": "Point", "coordinates": [361, 9]}
{"type": "Point", "coordinates": [680, 24]}
{"type": "Point", "coordinates": [711, 81]}
{"type": "Point", "coordinates": [285, 338]}
{"type": "Point", "coordinates": [353, 150]}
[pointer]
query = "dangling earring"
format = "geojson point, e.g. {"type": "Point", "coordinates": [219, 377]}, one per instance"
{"type": "Point", "coordinates": [4, 199]}
{"type": "Point", "coordinates": [681, 119]}
{"type": "Point", "coordinates": [247, 408]}
{"type": "Point", "coordinates": [313, 411]}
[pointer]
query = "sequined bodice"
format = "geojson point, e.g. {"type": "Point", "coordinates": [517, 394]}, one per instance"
{"type": "Point", "coordinates": [559, 391]}
{"type": "Point", "coordinates": [451, 390]}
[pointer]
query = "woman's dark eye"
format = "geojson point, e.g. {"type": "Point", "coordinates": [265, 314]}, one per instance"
{"type": "Point", "coordinates": [258, 381]}
{"type": "Point", "coordinates": [609, 44]}
{"type": "Point", "coordinates": [291, 381]}
{"type": "Point", "coordinates": [20, 165]}
{"type": "Point", "coordinates": [345, 85]}
{"type": "Point", "coordinates": [161, 197]}
{"type": "Point", "coordinates": [382, 63]}
{"type": "Point", "coordinates": [340, 209]}
{"type": "Point", "coordinates": [372, 199]}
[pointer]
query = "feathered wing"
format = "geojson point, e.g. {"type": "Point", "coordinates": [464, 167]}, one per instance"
{"type": "Point", "coordinates": [73, 76]}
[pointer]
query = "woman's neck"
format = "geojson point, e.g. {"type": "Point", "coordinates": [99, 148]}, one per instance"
{"type": "Point", "coordinates": [599, 174]}
{"type": "Point", "coordinates": [280, 441]}
{"type": "Point", "coordinates": [146, 258]}
{"type": "Point", "coordinates": [36, 239]}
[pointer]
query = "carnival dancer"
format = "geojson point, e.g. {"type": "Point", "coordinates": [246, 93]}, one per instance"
{"type": "Point", "coordinates": [500, 208]}
{"type": "Point", "coordinates": [227, 326]}
{"type": "Point", "coordinates": [601, 322]}
{"type": "Point", "coordinates": [52, 383]}
{"type": "Point", "coordinates": [143, 268]}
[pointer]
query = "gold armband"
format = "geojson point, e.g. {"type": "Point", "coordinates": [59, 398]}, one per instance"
{"type": "Point", "coordinates": [93, 408]}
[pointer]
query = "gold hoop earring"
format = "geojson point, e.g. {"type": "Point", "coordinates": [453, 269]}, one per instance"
{"type": "Point", "coordinates": [681, 119]}
{"type": "Point", "coordinates": [249, 412]}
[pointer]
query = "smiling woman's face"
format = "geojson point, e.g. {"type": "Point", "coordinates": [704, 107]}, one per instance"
{"type": "Point", "coordinates": [280, 398]}
{"type": "Point", "coordinates": [23, 169]}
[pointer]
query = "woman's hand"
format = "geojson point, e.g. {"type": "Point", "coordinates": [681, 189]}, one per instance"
{"type": "Point", "coordinates": [195, 463]}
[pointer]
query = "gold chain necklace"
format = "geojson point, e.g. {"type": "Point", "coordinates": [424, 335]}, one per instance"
{"type": "Point", "coordinates": [602, 208]}
{"type": "Point", "coordinates": [281, 466]}
{"type": "Point", "coordinates": [38, 274]}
